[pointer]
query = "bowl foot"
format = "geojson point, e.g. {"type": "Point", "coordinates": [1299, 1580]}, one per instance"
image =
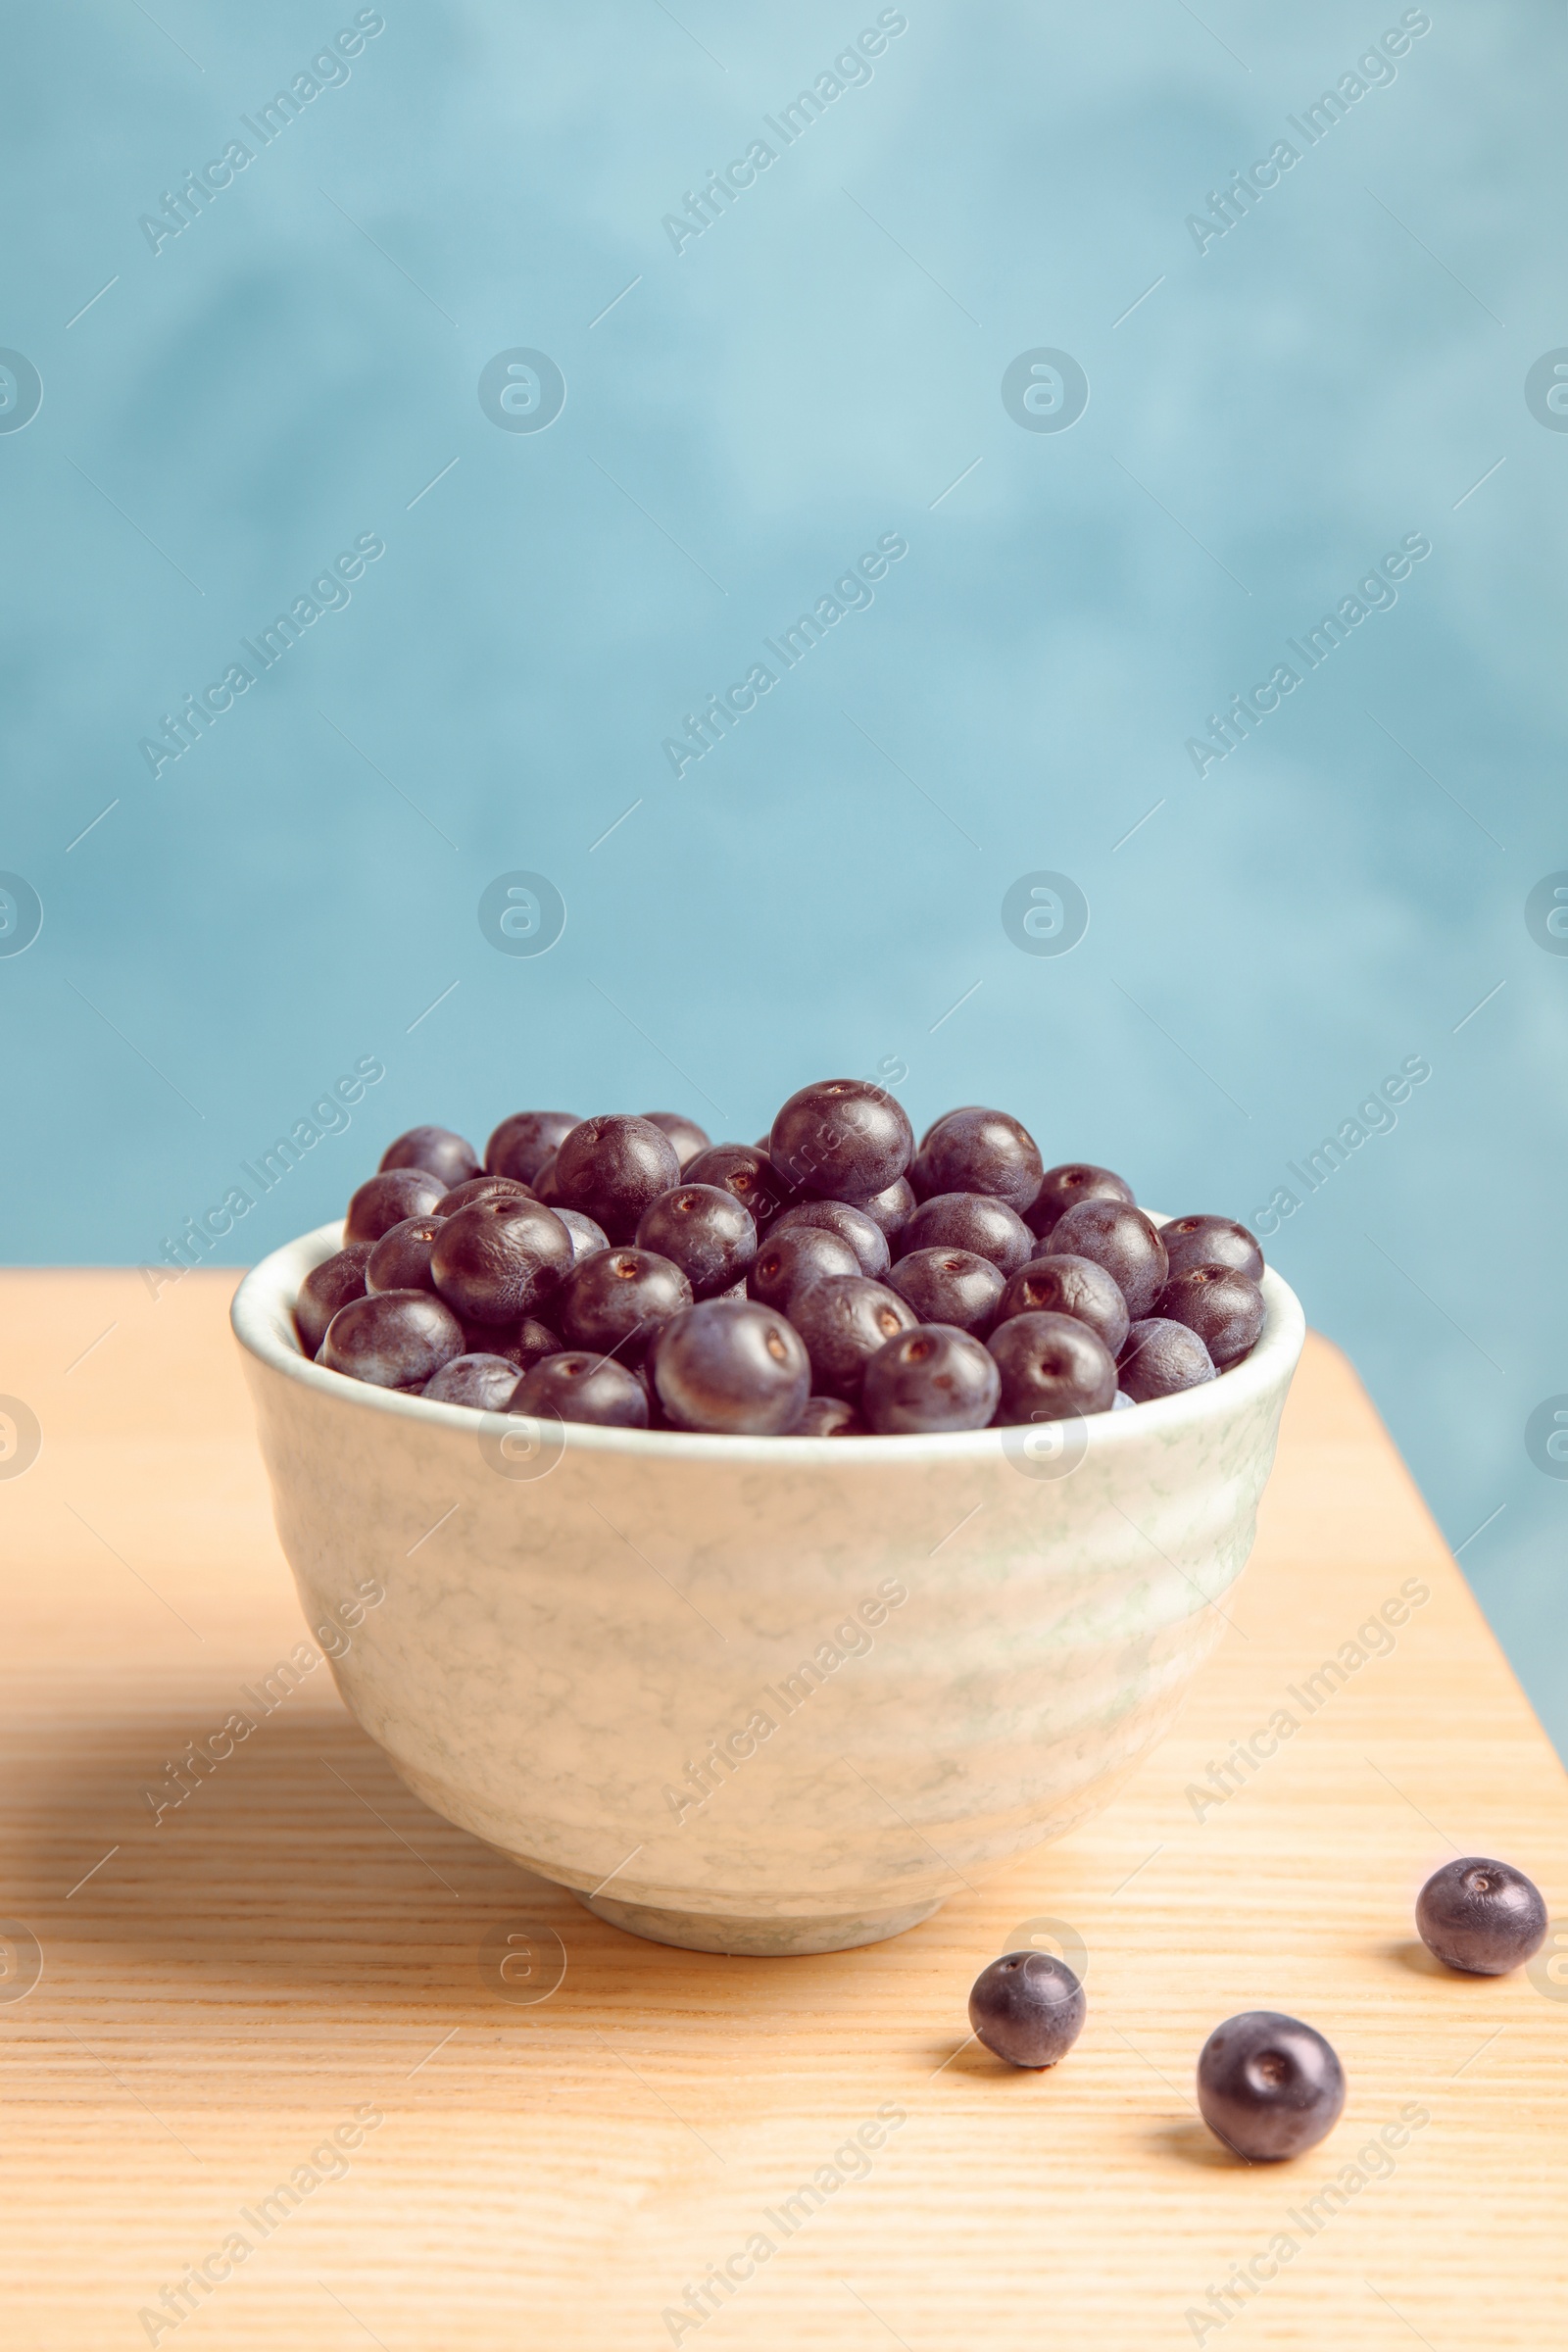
{"type": "Point", "coordinates": [756, 1938]}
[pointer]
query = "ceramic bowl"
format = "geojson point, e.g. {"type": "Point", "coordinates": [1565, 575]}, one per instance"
{"type": "Point", "coordinates": [770, 1694]}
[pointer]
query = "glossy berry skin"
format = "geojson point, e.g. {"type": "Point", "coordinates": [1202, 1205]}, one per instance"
{"type": "Point", "coordinates": [1062, 1189]}
{"type": "Point", "coordinates": [498, 1261]}
{"type": "Point", "coordinates": [612, 1168]}
{"type": "Point", "coordinates": [586, 1236]}
{"type": "Point", "coordinates": [577, 1385]}
{"type": "Point", "coordinates": [383, 1202]}
{"type": "Point", "coordinates": [327, 1286]}
{"type": "Point", "coordinates": [843, 1138]}
{"type": "Point", "coordinates": [744, 1171]}
{"type": "Point", "coordinates": [436, 1150]}
{"type": "Point", "coordinates": [1028, 2008]}
{"type": "Point", "coordinates": [1269, 2086]}
{"type": "Point", "coordinates": [1483, 1918]}
{"type": "Point", "coordinates": [1160, 1358]}
{"type": "Point", "coordinates": [732, 1366]}
{"type": "Point", "coordinates": [705, 1230]}
{"type": "Point", "coordinates": [613, 1302]}
{"type": "Point", "coordinates": [1122, 1241]}
{"type": "Point", "coordinates": [949, 1286]}
{"type": "Point", "coordinates": [893, 1207]}
{"type": "Point", "coordinates": [397, 1340]}
{"type": "Point", "coordinates": [542, 1181]}
{"type": "Point", "coordinates": [1223, 1307]}
{"type": "Point", "coordinates": [521, 1345]}
{"type": "Point", "coordinates": [401, 1259]}
{"type": "Point", "coordinates": [481, 1188]}
{"type": "Point", "coordinates": [1210, 1242]}
{"type": "Point", "coordinates": [978, 1152]}
{"type": "Point", "coordinates": [828, 1417]}
{"type": "Point", "coordinates": [924, 1382]}
{"type": "Point", "coordinates": [842, 1322]}
{"type": "Point", "coordinates": [687, 1137]}
{"type": "Point", "coordinates": [484, 1382]}
{"type": "Point", "coordinates": [1053, 1368]}
{"type": "Point", "coordinates": [807, 1253]}
{"type": "Point", "coordinates": [520, 1144]}
{"type": "Point", "coordinates": [970, 1221]}
{"type": "Point", "coordinates": [864, 1234]}
{"type": "Point", "coordinates": [1068, 1286]}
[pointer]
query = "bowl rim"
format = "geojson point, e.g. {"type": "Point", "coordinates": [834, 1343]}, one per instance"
{"type": "Point", "coordinates": [262, 1314]}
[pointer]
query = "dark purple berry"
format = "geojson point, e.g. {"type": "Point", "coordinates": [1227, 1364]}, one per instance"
{"type": "Point", "coordinates": [1481, 1917]}
{"type": "Point", "coordinates": [1028, 2008]}
{"type": "Point", "coordinates": [520, 1144]}
{"type": "Point", "coordinates": [521, 1345]}
{"type": "Point", "coordinates": [733, 1366]}
{"type": "Point", "coordinates": [949, 1286]}
{"type": "Point", "coordinates": [1268, 2085]}
{"type": "Point", "coordinates": [1053, 1368]}
{"type": "Point", "coordinates": [1068, 1286]}
{"type": "Point", "coordinates": [744, 1171]}
{"type": "Point", "coordinates": [684, 1133]}
{"type": "Point", "coordinates": [828, 1417]}
{"type": "Point", "coordinates": [1062, 1189]}
{"type": "Point", "coordinates": [1223, 1307]}
{"type": "Point", "coordinates": [498, 1261]}
{"type": "Point", "coordinates": [383, 1202]}
{"type": "Point", "coordinates": [807, 1253]}
{"type": "Point", "coordinates": [970, 1221]}
{"type": "Point", "coordinates": [893, 1207]}
{"type": "Point", "coordinates": [575, 1386]}
{"type": "Point", "coordinates": [1122, 1241]}
{"type": "Point", "coordinates": [436, 1150]}
{"type": "Point", "coordinates": [397, 1340]}
{"type": "Point", "coordinates": [843, 1138]}
{"type": "Point", "coordinates": [842, 1322]}
{"type": "Point", "coordinates": [485, 1382]}
{"type": "Point", "coordinates": [1210, 1242]}
{"type": "Point", "coordinates": [923, 1382]}
{"type": "Point", "coordinates": [542, 1181]}
{"type": "Point", "coordinates": [1160, 1358]}
{"type": "Point", "coordinates": [978, 1152]}
{"type": "Point", "coordinates": [864, 1234]}
{"type": "Point", "coordinates": [401, 1259]}
{"type": "Point", "coordinates": [613, 1302]}
{"type": "Point", "coordinates": [942, 1120]}
{"type": "Point", "coordinates": [327, 1286]}
{"type": "Point", "coordinates": [586, 1236]}
{"type": "Point", "coordinates": [481, 1188]}
{"type": "Point", "coordinates": [706, 1232]}
{"type": "Point", "coordinates": [611, 1167]}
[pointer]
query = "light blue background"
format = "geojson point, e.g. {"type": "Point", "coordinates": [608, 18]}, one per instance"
{"type": "Point", "coordinates": [815, 370]}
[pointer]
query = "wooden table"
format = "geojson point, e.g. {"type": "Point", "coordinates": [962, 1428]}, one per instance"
{"type": "Point", "coordinates": [299, 1944]}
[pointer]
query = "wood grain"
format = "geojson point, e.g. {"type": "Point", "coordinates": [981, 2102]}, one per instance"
{"type": "Point", "coordinates": [300, 1939]}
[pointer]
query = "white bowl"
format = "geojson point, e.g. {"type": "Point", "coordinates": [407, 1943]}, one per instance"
{"type": "Point", "coordinates": [761, 1694]}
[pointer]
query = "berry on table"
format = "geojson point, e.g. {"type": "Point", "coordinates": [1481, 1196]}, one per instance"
{"type": "Point", "coordinates": [610, 1169]}
{"type": "Point", "coordinates": [978, 1152]}
{"type": "Point", "coordinates": [733, 1366]}
{"type": "Point", "coordinates": [843, 1138]}
{"type": "Point", "coordinates": [1122, 1240]}
{"type": "Point", "coordinates": [395, 1340]}
{"type": "Point", "coordinates": [1062, 1189]}
{"type": "Point", "coordinates": [384, 1201]}
{"type": "Point", "coordinates": [933, 1379]}
{"type": "Point", "coordinates": [1066, 1285]}
{"type": "Point", "coordinates": [1053, 1368]}
{"type": "Point", "coordinates": [949, 1286]}
{"type": "Point", "coordinates": [1028, 2008]}
{"type": "Point", "coordinates": [1480, 1917]}
{"type": "Point", "coordinates": [1269, 2086]}
{"type": "Point", "coordinates": [436, 1150]}
{"type": "Point", "coordinates": [498, 1261]}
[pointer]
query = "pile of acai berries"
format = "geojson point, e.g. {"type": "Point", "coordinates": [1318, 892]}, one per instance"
{"type": "Point", "coordinates": [835, 1279]}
